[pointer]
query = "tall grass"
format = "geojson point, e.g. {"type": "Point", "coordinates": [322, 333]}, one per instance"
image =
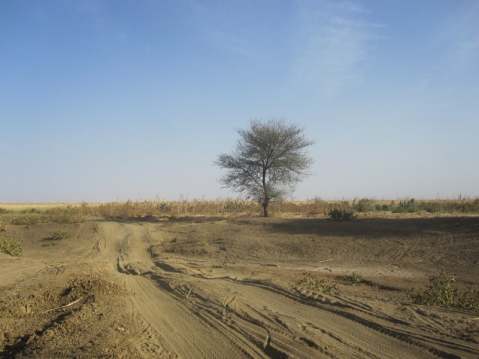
{"type": "Point", "coordinates": [29, 216]}
{"type": "Point", "coordinates": [233, 207]}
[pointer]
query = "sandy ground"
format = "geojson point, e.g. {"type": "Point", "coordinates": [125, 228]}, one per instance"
{"type": "Point", "coordinates": [237, 288]}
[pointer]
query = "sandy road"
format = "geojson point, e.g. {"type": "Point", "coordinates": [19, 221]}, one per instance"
{"type": "Point", "coordinates": [190, 315]}
{"type": "Point", "coordinates": [176, 330]}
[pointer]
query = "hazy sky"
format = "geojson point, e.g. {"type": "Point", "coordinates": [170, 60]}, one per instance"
{"type": "Point", "coordinates": [110, 100]}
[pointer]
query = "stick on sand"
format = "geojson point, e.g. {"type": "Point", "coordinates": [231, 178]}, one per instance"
{"type": "Point", "coordinates": [64, 306]}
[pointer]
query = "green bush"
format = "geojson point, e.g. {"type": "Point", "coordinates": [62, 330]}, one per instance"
{"type": "Point", "coordinates": [406, 206]}
{"type": "Point", "coordinates": [442, 290]}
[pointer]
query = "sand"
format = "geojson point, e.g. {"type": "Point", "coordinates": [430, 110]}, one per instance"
{"type": "Point", "coordinates": [237, 288]}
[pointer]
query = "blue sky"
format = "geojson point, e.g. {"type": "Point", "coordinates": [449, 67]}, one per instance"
{"type": "Point", "coordinates": [115, 100]}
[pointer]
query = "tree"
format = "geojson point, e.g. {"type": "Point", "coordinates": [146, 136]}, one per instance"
{"type": "Point", "coordinates": [269, 159]}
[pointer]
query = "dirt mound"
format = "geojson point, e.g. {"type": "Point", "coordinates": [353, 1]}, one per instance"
{"type": "Point", "coordinates": [76, 318]}
{"type": "Point", "coordinates": [91, 287]}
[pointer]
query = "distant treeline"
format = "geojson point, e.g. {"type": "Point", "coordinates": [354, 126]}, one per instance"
{"type": "Point", "coordinates": [232, 207]}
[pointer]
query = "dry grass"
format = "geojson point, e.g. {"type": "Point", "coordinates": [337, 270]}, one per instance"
{"type": "Point", "coordinates": [31, 215]}
{"type": "Point", "coordinates": [309, 284]}
{"type": "Point", "coordinates": [71, 213]}
{"type": "Point", "coordinates": [19, 207]}
{"type": "Point", "coordinates": [307, 208]}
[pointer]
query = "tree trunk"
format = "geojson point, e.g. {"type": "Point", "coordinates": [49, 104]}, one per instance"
{"type": "Point", "coordinates": [265, 194]}
{"type": "Point", "coordinates": [265, 207]}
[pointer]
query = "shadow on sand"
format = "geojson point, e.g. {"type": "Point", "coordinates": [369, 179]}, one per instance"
{"type": "Point", "coordinates": [375, 227]}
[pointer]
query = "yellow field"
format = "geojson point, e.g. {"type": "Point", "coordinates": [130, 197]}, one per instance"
{"type": "Point", "coordinates": [39, 206]}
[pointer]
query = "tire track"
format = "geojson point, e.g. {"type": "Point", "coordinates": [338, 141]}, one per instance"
{"type": "Point", "coordinates": [215, 317]}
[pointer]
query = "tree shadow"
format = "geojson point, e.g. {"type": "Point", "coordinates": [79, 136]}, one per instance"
{"type": "Point", "coordinates": [378, 227]}
{"type": "Point", "coordinates": [164, 219]}
{"type": "Point", "coordinates": [195, 219]}
{"type": "Point", "coordinates": [132, 219]}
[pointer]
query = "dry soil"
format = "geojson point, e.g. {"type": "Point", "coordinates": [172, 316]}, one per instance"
{"type": "Point", "coordinates": [237, 288]}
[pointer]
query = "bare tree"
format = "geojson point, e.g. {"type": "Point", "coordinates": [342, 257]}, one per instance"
{"type": "Point", "coordinates": [269, 159]}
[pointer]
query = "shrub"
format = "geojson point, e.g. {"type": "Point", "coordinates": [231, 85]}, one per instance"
{"type": "Point", "coordinates": [10, 246]}
{"type": "Point", "coordinates": [353, 278]}
{"type": "Point", "coordinates": [383, 207]}
{"type": "Point", "coordinates": [57, 236]}
{"type": "Point", "coordinates": [25, 219]}
{"type": "Point", "coordinates": [312, 284]}
{"type": "Point", "coordinates": [443, 291]}
{"type": "Point", "coordinates": [30, 210]}
{"type": "Point", "coordinates": [363, 205]}
{"type": "Point", "coordinates": [164, 207]}
{"type": "Point", "coordinates": [341, 214]}
{"type": "Point", "coordinates": [406, 206]}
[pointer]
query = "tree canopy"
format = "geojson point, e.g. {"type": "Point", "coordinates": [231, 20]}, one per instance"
{"type": "Point", "coordinates": [269, 159]}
